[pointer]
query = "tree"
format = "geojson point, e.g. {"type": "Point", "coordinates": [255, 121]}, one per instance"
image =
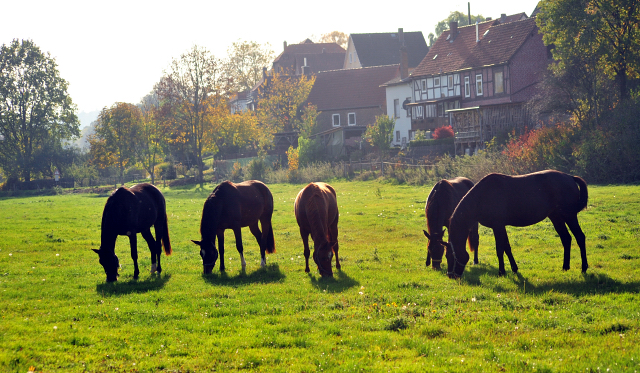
{"type": "Point", "coordinates": [337, 37]}
{"type": "Point", "coordinates": [192, 93]}
{"type": "Point", "coordinates": [36, 112]}
{"type": "Point", "coordinates": [380, 134]}
{"type": "Point", "coordinates": [244, 64]}
{"type": "Point", "coordinates": [118, 130]}
{"type": "Point", "coordinates": [461, 18]}
{"type": "Point", "coordinates": [152, 136]}
{"type": "Point", "coordinates": [280, 106]}
{"type": "Point", "coordinates": [607, 29]}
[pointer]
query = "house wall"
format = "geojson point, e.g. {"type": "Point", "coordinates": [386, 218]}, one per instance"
{"type": "Point", "coordinates": [364, 117]}
{"type": "Point", "coordinates": [353, 62]}
{"type": "Point", "coordinates": [403, 122]}
{"type": "Point", "coordinates": [528, 66]}
{"type": "Point", "coordinates": [489, 95]}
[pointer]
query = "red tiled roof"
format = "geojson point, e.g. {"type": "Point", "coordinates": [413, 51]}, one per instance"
{"type": "Point", "coordinates": [352, 88]}
{"type": "Point", "coordinates": [495, 47]}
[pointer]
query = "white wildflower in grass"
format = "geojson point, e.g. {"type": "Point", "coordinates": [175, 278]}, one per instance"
{"type": "Point", "coordinates": [55, 327]}
{"type": "Point", "coordinates": [57, 254]}
{"type": "Point", "coordinates": [498, 296]}
{"type": "Point", "coordinates": [473, 299]}
{"type": "Point", "coordinates": [117, 308]}
{"type": "Point", "coordinates": [10, 254]}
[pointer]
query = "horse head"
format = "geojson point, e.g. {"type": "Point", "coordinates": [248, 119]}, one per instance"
{"type": "Point", "coordinates": [323, 256]}
{"type": "Point", "coordinates": [110, 263]}
{"type": "Point", "coordinates": [209, 255]}
{"type": "Point", "coordinates": [435, 249]}
{"type": "Point", "coordinates": [456, 261]}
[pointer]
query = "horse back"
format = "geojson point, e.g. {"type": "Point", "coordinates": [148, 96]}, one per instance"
{"type": "Point", "coordinates": [256, 202]}
{"type": "Point", "coordinates": [316, 208]}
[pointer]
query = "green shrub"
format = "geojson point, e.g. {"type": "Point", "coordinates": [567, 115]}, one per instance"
{"type": "Point", "coordinates": [256, 169]}
{"type": "Point", "coordinates": [431, 142]}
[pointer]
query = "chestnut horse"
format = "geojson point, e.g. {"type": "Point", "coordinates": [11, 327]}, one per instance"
{"type": "Point", "coordinates": [129, 211]}
{"type": "Point", "coordinates": [233, 206]}
{"type": "Point", "coordinates": [316, 211]}
{"type": "Point", "coordinates": [442, 200]}
{"type": "Point", "coordinates": [500, 200]}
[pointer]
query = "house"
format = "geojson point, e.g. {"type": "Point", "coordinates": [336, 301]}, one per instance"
{"type": "Point", "coordinates": [309, 57]}
{"type": "Point", "coordinates": [348, 101]}
{"type": "Point", "coordinates": [239, 101]}
{"type": "Point", "coordinates": [381, 49]}
{"type": "Point", "coordinates": [478, 78]}
{"type": "Point", "coordinates": [398, 94]}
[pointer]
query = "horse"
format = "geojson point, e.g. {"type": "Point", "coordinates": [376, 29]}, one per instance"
{"type": "Point", "coordinates": [127, 212]}
{"type": "Point", "coordinates": [233, 206]}
{"type": "Point", "coordinates": [500, 200]}
{"type": "Point", "coordinates": [316, 211]}
{"type": "Point", "coordinates": [442, 200]}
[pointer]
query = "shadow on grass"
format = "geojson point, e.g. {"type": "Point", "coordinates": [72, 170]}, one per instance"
{"type": "Point", "coordinates": [152, 283]}
{"type": "Point", "coordinates": [269, 274]}
{"type": "Point", "coordinates": [336, 284]}
{"type": "Point", "coordinates": [590, 283]}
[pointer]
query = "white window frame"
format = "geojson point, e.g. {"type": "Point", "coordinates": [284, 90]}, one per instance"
{"type": "Point", "coordinates": [467, 87]}
{"type": "Point", "coordinates": [479, 85]}
{"type": "Point", "coordinates": [450, 81]}
{"type": "Point", "coordinates": [349, 119]}
{"type": "Point", "coordinates": [334, 120]}
{"type": "Point", "coordinates": [436, 81]}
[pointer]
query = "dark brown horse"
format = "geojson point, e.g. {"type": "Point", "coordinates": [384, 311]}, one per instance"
{"type": "Point", "coordinates": [233, 206]}
{"type": "Point", "coordinates": [129, 211]}
{"type": "Point", "coordinates": [500, 200]}
{"type": "Point", "coordinates": [442, 200]}
{"type": "Point", "coordinates": [316, 211]}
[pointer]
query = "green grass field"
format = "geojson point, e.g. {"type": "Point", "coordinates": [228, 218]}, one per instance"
{"type": "Point", "coordinates": [385, 311]}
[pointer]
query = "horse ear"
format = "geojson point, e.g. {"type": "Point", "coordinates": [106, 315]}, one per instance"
{"type": "Point", "coordinates": [426, 234]}
{"type": "Point", "coordinates": [96, 251]}
{"type": "Point", "coordinates": [199, 243]}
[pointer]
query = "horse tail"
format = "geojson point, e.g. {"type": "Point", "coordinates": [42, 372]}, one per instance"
{"type": "Point", "coordinates": [269, 241]}
{"type": "Point", "coordinates": [166, 243]}
{"type": "Point", "coordinates": [584, 194]}
{"type": "Point", "coordinates": [270, 244]}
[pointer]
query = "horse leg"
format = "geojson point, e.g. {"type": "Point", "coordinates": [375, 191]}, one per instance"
{"type": "Point", "coordinates": [238, 233]}
{"type": "Point", "coordinates": [580, 239]}
{"type": "Point", "coordinates": [133, 242]}
{"type": "Point", "coordinates": [333, 237]}
{"type": "Point", "coordinates": [502, 246]}
{"type": "Point", "coordinates": [220, 235]}
{"type": "Point", "coordinates": [565, 237]}
{"type": "Point", "coordinates": [474, 242]}
{"type": "Point", "coordinates": [258, 235]}
{"type": "Point", "coordinates": [154, 249]}
{"type": "Point", "coordinates": [307, 252]}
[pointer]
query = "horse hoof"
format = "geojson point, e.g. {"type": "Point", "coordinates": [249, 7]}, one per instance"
{"type": "Point", "coordinates": [153, 269]}
{"type": "Point", "coordinates": [475, 262]}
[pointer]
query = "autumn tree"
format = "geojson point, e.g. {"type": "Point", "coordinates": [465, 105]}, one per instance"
{"type": "Point", "coordinates": [380, 134]}
{"type": "Point", "coordinates": [117, 133]}
{"type": "Point", "coordinates": [152, 135]}
{"type": "Point", "coordinates": [36, 112]}
{"type": "Point", "coordinates": [244, 64]}
{"type": "Point", "coordinates": [281, 101]}
{"type": "Point", "coordinates": [193, 93]}
{"type": "Point", "coordinates": [457, 16]}
{"type": "Point", "coordinates": [337, 37]}
{"type": "Point", "coordinates": [606, 29]}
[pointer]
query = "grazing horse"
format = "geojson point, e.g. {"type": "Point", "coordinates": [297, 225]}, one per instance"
{"type": "Point", "coordinates": [442, 200]}
{"type": "Point", "coordinates": [233, 206]}
{"type": "Point", "coordinates": [500, 200]}
{"type": "Point", "coordinates": [316, 212]}
{"type": "Point", "coordinates": [130, 211]}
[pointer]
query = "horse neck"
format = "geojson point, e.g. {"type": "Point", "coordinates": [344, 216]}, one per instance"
{"type": "Point", "coordinates": [440, 207]}
{"type": "Point", "coordinates": [211, 215]}
{"type": "Point", "coordinates": [462, 219]}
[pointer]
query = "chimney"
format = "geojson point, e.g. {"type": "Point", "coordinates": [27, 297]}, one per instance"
{"type": "Point", "coordinates": [503, 18]}
{"type": "Point", "coordinates": [469, 12]}
{"type": "Point", "coordinates": [264, 73]}
{"type": "Point", "coordinates": [285, 45]}
{"type": "Point", "coordinates": [477, 32]}
{"type": "Point", "coordinates": [453, 26]}
{"type": "Point", "coordinates": [401, 36]}
{"type": "Point", "coordinates": [404, 62]}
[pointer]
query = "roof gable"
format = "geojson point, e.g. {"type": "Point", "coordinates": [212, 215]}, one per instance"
{"type": "Point", "coordinates": [379, 49]}
{"type": "Point", "coordinates": [498, 44]}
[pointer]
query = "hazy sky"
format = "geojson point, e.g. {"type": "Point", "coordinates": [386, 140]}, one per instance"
{"type": "Point", "coordinates": [114, 51]}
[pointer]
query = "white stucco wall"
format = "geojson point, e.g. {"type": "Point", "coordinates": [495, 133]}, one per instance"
{"type": "Point", "coordinates": [403, 124]}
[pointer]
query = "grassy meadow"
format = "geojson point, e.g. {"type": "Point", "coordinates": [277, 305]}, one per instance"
{"type": "Point", "coordinates": [385, 311]}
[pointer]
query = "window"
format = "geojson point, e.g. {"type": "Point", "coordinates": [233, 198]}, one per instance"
{"type": "Point", "coordinates": [467, 87]}
{"type": "Point", "coordinates": [397, 136]}
{"type": "Point", "coordinates": [424, 85]}
{"type": "Point", "coordinates": [479, 85]}
{"type": "Point", "coordinates": [396, 108]}
{"type": "Point", "coordinates": [412, 135]}
{"type": "Point", "coordinates": [440, 110]}
{"type": "Point", "coordinates": [352, 119]}
{"type": "Point", "coordinates": [436, 82]}
{"type": "Point", "coordinates": [498, 82]}
{"type": "Point", "coordinates": [419, 112]}
{"type": "Point", "coordinates": [336, 120]}
{"type": "Point", "coordinates": [350, 57]}
{"type": "Point", "coordinates": [450, 81]}
{"type": "Point", "coordinates": [408, 108]}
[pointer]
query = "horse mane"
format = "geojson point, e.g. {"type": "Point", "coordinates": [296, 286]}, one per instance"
{"type": "Point", "coordinates": [442, 193]}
